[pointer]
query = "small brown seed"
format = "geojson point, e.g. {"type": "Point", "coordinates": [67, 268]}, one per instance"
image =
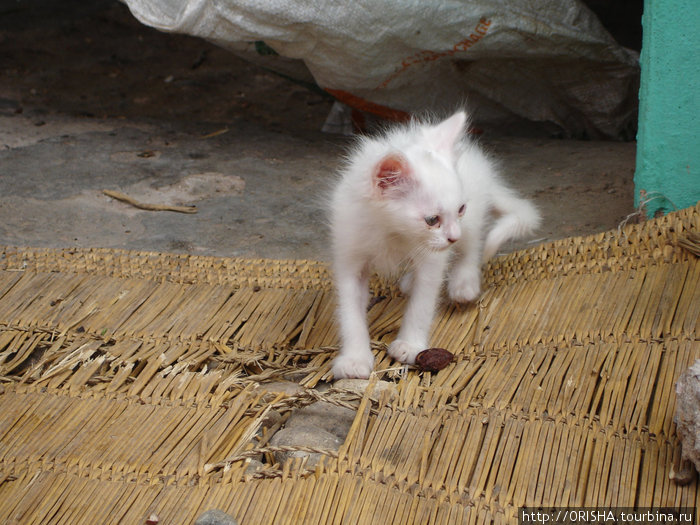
{"type": "Point", "coordinates": [434, 359]}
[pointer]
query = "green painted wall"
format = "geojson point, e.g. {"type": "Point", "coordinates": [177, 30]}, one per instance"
{"type": "Point", "coordinates": [668, 141]}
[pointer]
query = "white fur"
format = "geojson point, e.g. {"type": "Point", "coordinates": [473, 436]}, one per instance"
{"type": "Point", "coordinates": [388, 188]}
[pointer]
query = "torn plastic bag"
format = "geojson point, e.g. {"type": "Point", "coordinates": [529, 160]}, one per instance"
{"type": "Point", "coordinates": [548, 61]}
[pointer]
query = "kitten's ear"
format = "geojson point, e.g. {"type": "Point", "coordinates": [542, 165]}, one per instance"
{"type": "Point", "coordinates": [445, 135]}
{"type": "Point", "coordinates": [391, 174]}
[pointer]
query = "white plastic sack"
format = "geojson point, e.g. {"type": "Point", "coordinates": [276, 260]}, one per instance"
{"type": "Point", "coordinates": [544, 60]}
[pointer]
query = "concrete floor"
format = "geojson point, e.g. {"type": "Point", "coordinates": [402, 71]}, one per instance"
{"type": "Point", "coordinates": [90, 100]}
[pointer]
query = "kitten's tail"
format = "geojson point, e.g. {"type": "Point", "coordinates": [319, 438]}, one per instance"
{"type": "Point", "coordinates": [516, 218]}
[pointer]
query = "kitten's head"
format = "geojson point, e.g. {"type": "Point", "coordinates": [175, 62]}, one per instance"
{"type": "Point", "coordinates": [417, 187]}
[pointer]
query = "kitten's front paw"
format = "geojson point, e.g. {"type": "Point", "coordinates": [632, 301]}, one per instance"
{"type": "Point", "coordinates": [464, 285]}
{"type": "Point", "coordinates": [404, 351]}
{"type": "Point", "coordinates": [353, 366]}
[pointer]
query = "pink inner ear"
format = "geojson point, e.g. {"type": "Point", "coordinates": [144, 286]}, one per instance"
{"type": "Point", "coordinates": [390, 172]}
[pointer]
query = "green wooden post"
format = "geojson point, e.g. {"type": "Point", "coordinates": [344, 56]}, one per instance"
{"type": "Point", "coordinates": [668, 141]}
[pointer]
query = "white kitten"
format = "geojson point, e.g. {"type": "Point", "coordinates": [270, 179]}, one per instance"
{"type": "Point", "coordinates": [404, 199]}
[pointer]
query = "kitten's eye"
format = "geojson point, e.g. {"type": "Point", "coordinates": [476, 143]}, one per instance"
{"type": "Point", "coordinates": [432, 220]}
{"type": "Point", "coordinates": [461, 209]}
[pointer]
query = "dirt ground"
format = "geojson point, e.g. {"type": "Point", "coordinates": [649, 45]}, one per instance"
{"type": "Point", "coordinates": [91, 100]}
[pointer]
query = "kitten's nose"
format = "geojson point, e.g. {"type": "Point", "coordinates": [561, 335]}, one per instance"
{"type": "Point", "coordinates": [453, 233]}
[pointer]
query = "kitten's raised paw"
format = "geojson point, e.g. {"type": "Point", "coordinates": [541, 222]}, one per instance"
{"type": "Point", "coordinates": [353, 367]}
{"type": "Point", "coordinates": [404, 351]}
{"type": "Point", "coordinates": [464, 286]}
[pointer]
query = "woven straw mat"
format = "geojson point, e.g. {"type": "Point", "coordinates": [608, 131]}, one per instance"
{"type": "Point", "coordinates": [133, 383]}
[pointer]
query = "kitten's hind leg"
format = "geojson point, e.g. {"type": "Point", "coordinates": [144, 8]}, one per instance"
{"type": "Point", "coordinates": [355, 359]}
{"type": "Point", "coordinates": [420, 310]}
{"type": "Point", "coordinates": [517, 218]}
